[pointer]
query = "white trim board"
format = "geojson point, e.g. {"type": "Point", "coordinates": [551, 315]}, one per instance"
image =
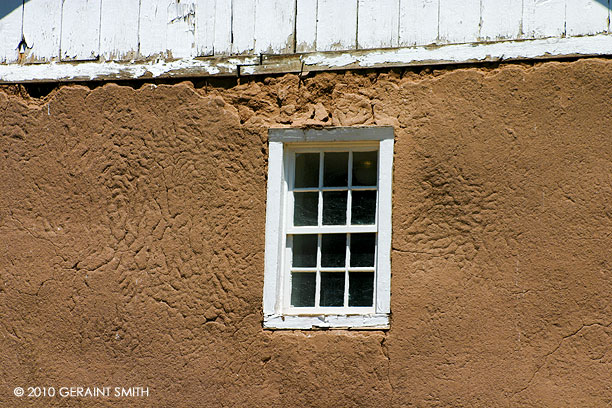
{"type": "Point", "coordinates": [597, 45]}
{"type": "Point", "coordinates": [278, 313]}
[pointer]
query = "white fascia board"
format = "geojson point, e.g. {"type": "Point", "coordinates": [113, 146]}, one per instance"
{"type": "Point", "coordinates": [549, 48]}
{"type": "Point", "coordinates": [95, 71]}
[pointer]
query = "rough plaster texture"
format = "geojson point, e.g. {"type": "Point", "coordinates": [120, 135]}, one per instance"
{"type": "Point", "coordinates": [132, 225]}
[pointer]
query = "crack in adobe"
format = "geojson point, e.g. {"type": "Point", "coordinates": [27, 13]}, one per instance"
{"type": "Point", "coordinates": [555, 350]}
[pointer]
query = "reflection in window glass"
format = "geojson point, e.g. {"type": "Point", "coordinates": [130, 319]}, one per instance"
{"type": "Point", "coordinates": [303, 286]}
{"type": "Point", "coordinates": [335, 169]}
{"type": "Point", "coordinates": [306, 170]}
{"type": "Point", "coordinates": [333, 250]}
{"type": "Point", "coordinates": [362, 249]}
{"type": "Point", "coordinates": [363, 207]}
{"type": "Point", "coordinates": [304, 251]}
{"type": "Point", "coordinates": [365, 168]}
{"type": "Point", "coordinates": [332, 289]}
{"type": "Point", "coordinates": [334, 207]}
{"type": "Point", "coordinates": [361, 288]}
{"type": "Point", "coordinates": [305, 209]}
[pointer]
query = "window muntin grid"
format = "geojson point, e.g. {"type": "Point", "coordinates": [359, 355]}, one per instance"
{"type": "Point", "coordinates": [358, 281]}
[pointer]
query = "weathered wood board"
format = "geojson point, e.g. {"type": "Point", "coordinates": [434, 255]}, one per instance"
{"type": "Point", "coordinates": [586, 17]}
{"type": "Point", "coordinates": [42, 26]}
{"type": "Point", "coordinates": [418, 22]}
{"type": "Point", "coordinates": [150, 30]}
{"type": "Point", "coordinates": [80, 39]}
{"type": "Point", "coordinates": [543, 19]}
{"type": "Point", "coordinates": [378, 24]}
{"type": "Point", "coordinates": [119, 29]}
{"type": "Point", "coordinates": [11, 14]}
{"type": "Point", "coordinates": [274, 27]}
{"type": "Point", "coordinates": [306, 26]}
{"type": "Point", "coordinates": [336, 25]}
{"type": "Point", "coordinates": [244, 17]}
{"type": "Point", "coordinates": [500, 24]}
{"type": "Point", "coordinates": [459, 21]}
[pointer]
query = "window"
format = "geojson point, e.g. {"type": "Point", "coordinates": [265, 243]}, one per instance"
{"type": "Point", "coordinates": [328, 228]}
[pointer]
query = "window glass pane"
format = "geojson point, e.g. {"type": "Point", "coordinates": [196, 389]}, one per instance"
{"type": "Point", "coordinates": [303, 286]}
{"type": "Point", "coordinates": [333, 250]}
{"type": "Point", "coordinates": [365, 168]}
{"type": "Point", "coordinates": [363, 208]}
{"type": "Point", "coordinates": [306, 170]}
{"type": "Point", "coordinates": [335, 169]}
{"type": "Point", "coordinates": [362, 249]}
{"type": "Point", "coordinates": [305, 209]}
{"type": "Point", "coordinates": [361, 288]}
{"type": "Point", "coordinates": [334, 207]}
{"type": "Point", "coordinates": [332, 289]}
{"type": "Point", "coordinates": [304, 251]}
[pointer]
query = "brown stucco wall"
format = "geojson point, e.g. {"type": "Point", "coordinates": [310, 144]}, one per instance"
{"type": "Point", "coordinates": [132, 242]}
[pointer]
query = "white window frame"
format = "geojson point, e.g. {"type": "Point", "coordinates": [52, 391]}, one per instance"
{"type": "Point", "coordinates": [277, 315]}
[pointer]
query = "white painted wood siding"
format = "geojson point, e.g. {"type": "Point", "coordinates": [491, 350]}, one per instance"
{"type": "Point", "coordinates": [10, 30]}
{"type": "Point", "coordinates": [205, 27]}
{"type": "Point", "coordinates": [585, 17]}
{"type": "Point", "coordinates": [459, 21]}
{"type": "Point", "coordinates": [244, 39]}
{"type": "Point", "coordinates": [42, 22]}
{"type": "Point", "coordinates": [80, 39]}
{"type": "Point", "coordinates": [180, 29]}
{"type": "Point", "coordinates": [418, 22]}
{"type": "Point", "coordinates": [496, 24]}
{"type": "Point", "coordinates": [274, 26]}
{"type": "Point", "coordinates": [544, 18]}
{"type": "Point", "coordinates": [148, 30]}
{"type": "Point", "coordinates": [378, 24]}
{"type": "Point", "coordinates": [336, 25]}
{"type": "Point", "coordinates": [119, 29]}
{"type": "Point", "coordinates": [306, 26]}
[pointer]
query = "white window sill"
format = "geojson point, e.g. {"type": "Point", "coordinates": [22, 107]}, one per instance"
{"type": "Point", "coordinates": [360, 322]}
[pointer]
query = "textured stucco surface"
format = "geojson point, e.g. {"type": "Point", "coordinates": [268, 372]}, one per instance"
{"type": "Point", "coordinates": [132, 225]}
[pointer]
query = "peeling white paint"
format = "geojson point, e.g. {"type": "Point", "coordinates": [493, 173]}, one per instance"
{"type": "Point", "coordinates": [454, 53]}
{"type": "Point", "coordinates": [141, 29]}
{"type": "Point", "coordinates": [80, 38]}
{"type": "Point", "coordinates": [42, 23]}
{"type": "Point", "coordinates": [93, 70]}
{"type": "Point", "coordinates": [373, 321]}
{"type": "Point", "coordinates": [339, 61]}
{"type": "Point", "coordinates": [595, 45]}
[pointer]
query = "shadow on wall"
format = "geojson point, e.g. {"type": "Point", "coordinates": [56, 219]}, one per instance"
{"type": "Point", "coordinates": [8, 6]}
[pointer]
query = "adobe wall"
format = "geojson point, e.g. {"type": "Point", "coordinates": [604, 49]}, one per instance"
{"type": "Point", "coordinates": [132, 242]}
